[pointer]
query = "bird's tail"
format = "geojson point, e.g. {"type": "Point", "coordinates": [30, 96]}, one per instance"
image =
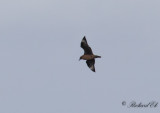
{"type": "Point", "coordinates": [96, 56]}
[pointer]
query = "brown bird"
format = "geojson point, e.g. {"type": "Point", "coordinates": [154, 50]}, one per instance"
{"type": "Point", "coordinates": [88, 54]}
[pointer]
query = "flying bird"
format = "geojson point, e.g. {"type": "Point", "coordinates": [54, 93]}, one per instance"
{"type": "Point", "coordinates": [88, 54]}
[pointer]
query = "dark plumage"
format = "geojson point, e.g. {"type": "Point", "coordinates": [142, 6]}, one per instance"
{"type": "Point", "coordinates": [85, 46]}
{"type": "Point", "coordinates": [88, 54]}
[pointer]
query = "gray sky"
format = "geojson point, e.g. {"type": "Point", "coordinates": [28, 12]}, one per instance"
{"type": "Point", "coordinates": [40, 49]}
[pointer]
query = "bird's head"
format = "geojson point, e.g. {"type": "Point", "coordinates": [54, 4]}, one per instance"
{"type": "Point", "coordinates": [80, 58]}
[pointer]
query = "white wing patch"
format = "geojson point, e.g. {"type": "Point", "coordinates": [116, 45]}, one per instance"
{"type": "Point", "coordinates": [84, 41]}
{"type": "Point", "coordinates": [92, 67]}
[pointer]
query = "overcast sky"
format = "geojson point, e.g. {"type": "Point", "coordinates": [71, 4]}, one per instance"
{"type": "Point", "coordinates": [40, 71]}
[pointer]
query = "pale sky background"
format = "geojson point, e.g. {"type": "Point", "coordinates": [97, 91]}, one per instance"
{"type": "Point", "coordinates": [40, 49]}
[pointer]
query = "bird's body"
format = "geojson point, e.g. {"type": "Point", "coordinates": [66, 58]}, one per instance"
{"type": "Point", "coordinates": [89, 57]}
{"type": "Point", "coordinates": [88, 54]}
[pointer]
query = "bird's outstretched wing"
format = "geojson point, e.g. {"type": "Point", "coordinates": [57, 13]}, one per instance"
{"type": "Point", "coordinates": [85, 46]}
{"type": "Point", "coordinates": [90, 64]}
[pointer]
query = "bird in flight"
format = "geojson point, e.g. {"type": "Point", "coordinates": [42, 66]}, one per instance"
{"type": "Point", "coordinates": [88, 54]}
